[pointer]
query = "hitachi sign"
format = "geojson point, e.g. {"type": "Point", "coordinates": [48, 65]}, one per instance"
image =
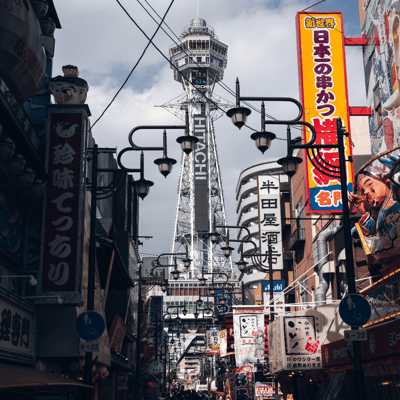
{"type": "Point", "coordinates": [200, 162]}
{"type": "Point", "coordinates": [200, 152]}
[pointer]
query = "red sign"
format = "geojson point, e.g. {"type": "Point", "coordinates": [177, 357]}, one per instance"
{"type": "Point", "coordinates": [62, 244]}
{"type": "Point", "coordinates": [312, 345]}
{"type": "Point", "coordinates": [242, 382]}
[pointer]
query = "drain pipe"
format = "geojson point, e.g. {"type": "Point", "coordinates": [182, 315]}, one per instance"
{"type": "Point", "coordinates": [322, 250]}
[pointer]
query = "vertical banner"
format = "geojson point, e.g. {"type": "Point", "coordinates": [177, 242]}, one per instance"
{"type": "Point", "coordinates": [227, 307]}
{"type": "Point", "coordinates": [62, 255]}
{"type": "Point", "coordinates": [156, 312]}
{"type": "Point", "coordinates": [212, 340]}
{"type": "Point", "coordinates": [249, 335]}
{"type": "Point", "coordinates": [201, 178]}
{"type": "Point", "coordinates": [324, 96]}
{"type": "Point", "coordinates": [223, 341]}
{"type": "Point", "coordinates": [270, 222]}
{"type": "Point", "coordinates": [242, 382]}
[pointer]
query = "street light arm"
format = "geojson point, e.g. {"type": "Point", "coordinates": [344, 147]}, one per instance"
{"type": "Point", "coordinates": [283, 99]}
{"type": "Point", "coordinates": [135, 147]}
{"type": "Point", "coordinates": [235, 227]}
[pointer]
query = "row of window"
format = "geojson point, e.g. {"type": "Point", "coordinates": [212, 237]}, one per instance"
{"type": "Point", "coordinates": [199, 45]}
{"type": "Point", "coordinates": [199, 60]}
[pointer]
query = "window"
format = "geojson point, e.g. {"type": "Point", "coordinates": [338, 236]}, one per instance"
{"type": "Point", "coordinates": [300, 214]}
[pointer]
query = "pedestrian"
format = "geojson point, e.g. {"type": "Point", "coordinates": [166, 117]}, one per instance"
{"type": "Point", "coordinates": [221, 397]}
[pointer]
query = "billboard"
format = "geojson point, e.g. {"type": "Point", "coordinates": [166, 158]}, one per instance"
{"type": "Point", "coordinates": [380, 21]}
{"type": "Point", "coordinates": [213, 340]}
{"type": "Point", "coordinates": [324, 96]}
{"type": "Point", "coordinates": [270, 223]}
{"type": "Point", "coordinates": [62, 241]}
{"type": "Point", "coordinates": [249, 335]}
{"type": "Point", "coordinates": [227, 307]}
{"type": "Point", "coordinates": [279, 297]}
{"type": "Point", "coordinates": [241, 382]}
{"type": "Point", "coordinates": [201, 178]}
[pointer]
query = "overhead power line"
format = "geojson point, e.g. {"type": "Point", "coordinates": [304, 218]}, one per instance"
{"type": "Point", "coordinates": [138, 61]}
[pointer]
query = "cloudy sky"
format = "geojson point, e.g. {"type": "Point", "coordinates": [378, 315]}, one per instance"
{"type": "Point", "coordinates": [105, 44]}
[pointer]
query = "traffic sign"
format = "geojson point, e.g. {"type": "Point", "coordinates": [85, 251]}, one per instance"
{"type": "Point", "coordinates": [154, 281]}
{"type": "Point", "coordinates": [356, 335]}
{"type": "Point", "coordinates": [90, 325]}
{"type": "Point", "coordinates": [355, 310]}
{"type": "Point", "coordinates": [93, 347]}
{"type": "Point", "coordinates": [155, 367]}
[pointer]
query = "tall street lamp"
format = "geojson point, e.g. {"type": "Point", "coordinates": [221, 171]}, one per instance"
{"type": "Point", "coordinates": [290, 166]}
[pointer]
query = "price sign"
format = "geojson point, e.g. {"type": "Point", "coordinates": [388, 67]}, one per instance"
{"type": "Point", "coordinates": [359, 335]}
{"type": "Point", "coordinates": [93, 347]}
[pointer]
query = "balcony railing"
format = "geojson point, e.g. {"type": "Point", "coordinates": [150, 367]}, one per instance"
{"type": "Point", "coordinates": [297, 239]}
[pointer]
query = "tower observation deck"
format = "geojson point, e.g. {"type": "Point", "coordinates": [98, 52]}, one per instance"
{"type": "Point", "coordinates": [200, 59]}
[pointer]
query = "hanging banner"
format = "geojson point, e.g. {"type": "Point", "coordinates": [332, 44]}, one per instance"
{"type": "Point", "coordinates": [223, 341]}
{"type": "Point", "coordinates": [227, 307]}
{"type": "Point", "coordinates": [270, 223]}
{"type": "Point", "coordinates": [242, 382]}
{"type": "Point", "coordinates": [249, 335]}
{"type": "Point", "coordinates": [212, 340]}
{"type": "Point", "coordinates": [324, 96]}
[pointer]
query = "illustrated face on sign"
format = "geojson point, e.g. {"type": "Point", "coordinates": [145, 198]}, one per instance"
{"type": "Point", "coordinates": [374, 190]}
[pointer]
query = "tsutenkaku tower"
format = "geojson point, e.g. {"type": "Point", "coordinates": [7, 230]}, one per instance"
{"type": "Point", "coordinates": [201, 59]}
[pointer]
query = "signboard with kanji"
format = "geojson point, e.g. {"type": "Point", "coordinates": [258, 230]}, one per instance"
{"type": "Point", "coordinates": [62, 241]}
{"type": "Point", "coordinates": [249, 335]}
{"type": "Point", "coordinates": [212, 340]}
{"type": "Point", "coordinates": [241, 382]}
{"type": "Point", "coordinates": [324, 96]}
{"type": "Point", "coordinates": [294, 340]}
{"type": "Point", "coordinates": [269, 209]}
{"type": "Point", "coordinates": [17, 328]}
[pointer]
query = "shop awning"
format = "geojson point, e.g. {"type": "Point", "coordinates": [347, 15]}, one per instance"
{"type": "Point", "coordinates": [17, 377]}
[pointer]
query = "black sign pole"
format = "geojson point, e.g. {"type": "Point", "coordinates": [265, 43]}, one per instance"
{"type": "Point", "coordinates": [88, 377]}
{"type": "Point", "coordinates": [359, 382]}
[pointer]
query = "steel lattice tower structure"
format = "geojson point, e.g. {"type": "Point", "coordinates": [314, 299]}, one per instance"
{"type": "Point", "coordinates": [200, 59]}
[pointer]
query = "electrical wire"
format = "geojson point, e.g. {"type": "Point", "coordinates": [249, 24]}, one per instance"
{"type": "Point", "coordinates": [138, 61]}
{"type": "Point", "coordinates": [173, 66]}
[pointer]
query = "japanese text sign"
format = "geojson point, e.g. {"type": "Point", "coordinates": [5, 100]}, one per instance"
{"type": "Point", "coordinates": [249, 335]}
{"type": "Point", "coordinates": [324, 96]}
{"type": "Point", "coordinates": [62, 243]}
{"type": "Point", "coordinates": [242, 382]}
{"type": "Point", "coordinates": [213, 341]}
{"type": "Point", "coordinates": [270, 224]}
{"type": "Point", "coordinates": [16, 329]}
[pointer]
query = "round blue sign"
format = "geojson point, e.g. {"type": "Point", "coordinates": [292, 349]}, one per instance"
{"type": "Point", "coordinates": [355, 310]}
{"type": "Point", "coordinates": [90, 325]}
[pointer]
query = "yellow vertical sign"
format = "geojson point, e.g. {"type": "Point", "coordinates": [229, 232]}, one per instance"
{"type": "Point", "coordinates": [324, 96]}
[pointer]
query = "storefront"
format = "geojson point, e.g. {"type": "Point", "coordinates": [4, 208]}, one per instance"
{"type": "Point", "coordinates": [380, 354]}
